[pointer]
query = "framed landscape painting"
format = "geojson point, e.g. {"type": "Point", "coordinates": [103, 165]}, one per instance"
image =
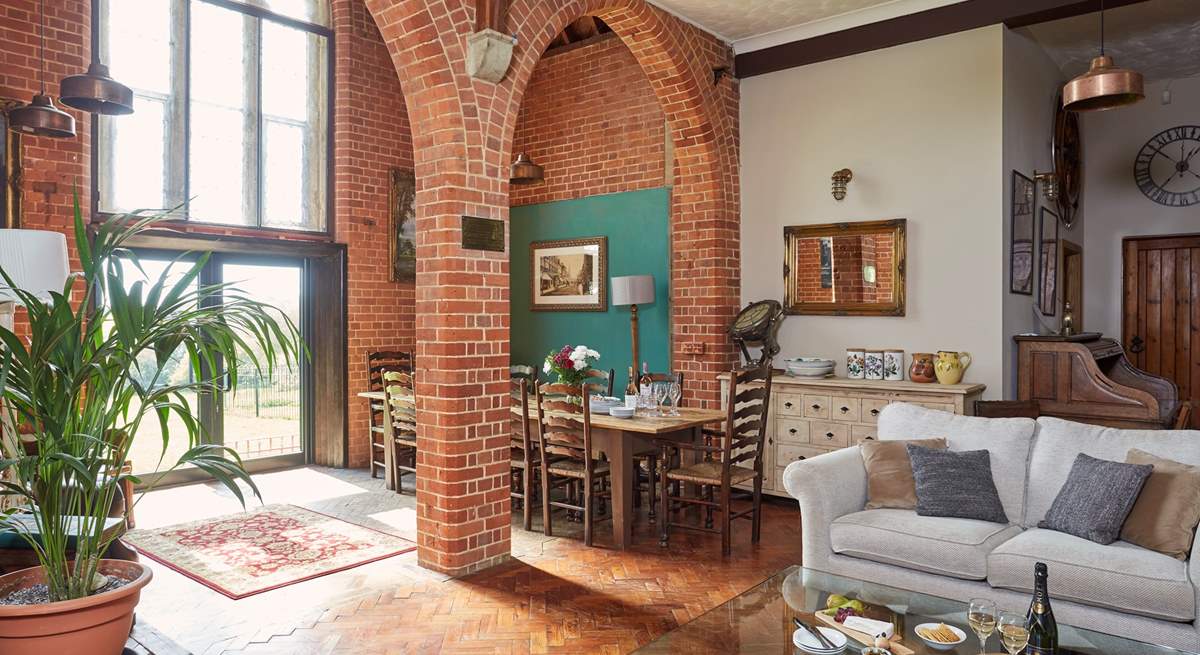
{"type": "Point", "coordinates": [402, 229]}
{"type": "Point", "coordinates": [569, 275]}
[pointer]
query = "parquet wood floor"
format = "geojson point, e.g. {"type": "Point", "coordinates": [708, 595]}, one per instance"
{"type": "Point", "coordinates": [556, 596]}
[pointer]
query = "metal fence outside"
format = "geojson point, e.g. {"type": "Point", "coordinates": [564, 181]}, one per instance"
{"type": "Point", "coordinates": [261, 397]}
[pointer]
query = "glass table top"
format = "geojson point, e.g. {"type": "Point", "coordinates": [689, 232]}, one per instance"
{"type": "Point", "coordinates": [760, 620]}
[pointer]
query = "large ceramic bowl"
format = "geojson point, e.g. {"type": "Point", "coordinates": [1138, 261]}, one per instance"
{"type": "Point", "coordinates": [809, 362]}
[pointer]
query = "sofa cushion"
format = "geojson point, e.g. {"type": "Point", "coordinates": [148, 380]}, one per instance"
{"type": "Point", "coordinates": [955, 484]}
{"type": "Point", "coordinates": [1007, 440]}
{"type": "Point", "coordinates": [1096, 498]}
{"type": "Point", "coordinates": [1165, 515]}
{"type": "Point", "coordinates": [946, 546]}
{"type": "Point", "coordinates": [890, 483]}
{"type": "Point", "coordinates": [1119, 576]}
{"type": "Point", "coordinates": [1059, 441]}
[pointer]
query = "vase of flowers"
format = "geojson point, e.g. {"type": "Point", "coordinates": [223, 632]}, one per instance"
{"type": "Point", "coordinates": [571, 364]}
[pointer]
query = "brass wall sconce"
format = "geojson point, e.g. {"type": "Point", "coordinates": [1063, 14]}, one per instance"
{"type": "Point", "coordinates": [1049, 183]}
{"type": "Point", "coordinates": [840, 180]}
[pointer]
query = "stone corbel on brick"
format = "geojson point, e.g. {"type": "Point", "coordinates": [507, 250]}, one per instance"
{"type": "Point", "coordinates": [489, 49]}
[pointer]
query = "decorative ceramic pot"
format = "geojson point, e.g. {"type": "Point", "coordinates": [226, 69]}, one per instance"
{"type": "Point", "coordinates": [950, 366]}
{"type": "Point", "coordinates": [874, 364]}
{"type": "Point", "coordinates": [855, 364]}
{"type": "Point", "coordinates": [893, 365]}
{"type": "Point", "coordinates": [921, 369]}
{"type": "Point", "coordinates": [98, 625]}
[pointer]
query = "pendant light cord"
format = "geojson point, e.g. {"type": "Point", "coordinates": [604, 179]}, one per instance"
{"type": "Point", "coordinates": [42, 45]}
{"type": "Point", "coordinates": [1101, 27]}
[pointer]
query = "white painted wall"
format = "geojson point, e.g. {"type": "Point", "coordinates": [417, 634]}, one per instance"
{"type": "Point", "coordinates": [1114, 208]}
{"type": "Point", "coordinates": [921, 127]}
{"type": "Point", "coordinates": [1031, 84]}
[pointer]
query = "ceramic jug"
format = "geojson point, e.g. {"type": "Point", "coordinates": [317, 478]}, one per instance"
{"type": "Point", "coordinates": [922, 368]}
{"type": "Point", "coordinates": [951, 365]}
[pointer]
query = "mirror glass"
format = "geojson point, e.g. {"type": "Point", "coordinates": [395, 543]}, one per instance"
{"type": "Point", "coordinates": [846, 268]}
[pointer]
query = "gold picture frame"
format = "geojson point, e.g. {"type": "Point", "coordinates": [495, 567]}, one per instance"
{"type": "Point", "coordinates": [866, 288]}
{"type": "Point", "coordinates": [10, 170]}
{"type": "Point", "coordinates": [569, 275]}
{"type": "Point", "coordinates": [402, 232]}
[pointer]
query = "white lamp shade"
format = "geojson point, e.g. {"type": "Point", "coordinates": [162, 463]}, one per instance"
{"type": "Point", "coordinates": [35, 260]}
{"type": "Point", "coordinates": [633, 290]}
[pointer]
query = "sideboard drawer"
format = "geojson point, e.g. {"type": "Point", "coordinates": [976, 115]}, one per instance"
{"type": "Point", "coordinates": [791, 430]}
{"type": "Point", "coordinates": [786, 454]}
{"type": "Point", "coordinates": [871, 407]}
{"type": "Point", "coordinates": [941, 407]}
{"type": "Point", "coordinates": [845, 409]}
{"type": "Point", "coordinates": [861, 433]}
{"type": "Point", "coordinates": [816, 406]}
{"type": "Point", "coordinates": [829, 435]}
{"type": "Point", "coordinates": [791, 404]}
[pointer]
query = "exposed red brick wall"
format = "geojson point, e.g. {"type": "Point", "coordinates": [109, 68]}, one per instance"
{"type": "Point", "coordinates": [591, 119]}
{"type": "Point", "coordinates": [372, 136]}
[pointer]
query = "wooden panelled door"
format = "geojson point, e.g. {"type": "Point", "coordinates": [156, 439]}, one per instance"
{"type": "Point", "coordinates": [1161, 322]}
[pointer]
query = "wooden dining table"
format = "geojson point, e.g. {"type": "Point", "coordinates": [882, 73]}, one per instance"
{"type": "Point", "coordinates": [622, 438]}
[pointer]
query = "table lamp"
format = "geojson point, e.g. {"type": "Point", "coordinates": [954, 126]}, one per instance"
{"type": "Point", "coordinates": [633, 290]}
{"type": "Point", "coordinates": [36, 262]}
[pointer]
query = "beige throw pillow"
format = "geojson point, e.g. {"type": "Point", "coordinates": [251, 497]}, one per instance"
{"type": "Point", "coordinates": [1165, 515]}
{"type": "Point", "coordinates": [890, 483]}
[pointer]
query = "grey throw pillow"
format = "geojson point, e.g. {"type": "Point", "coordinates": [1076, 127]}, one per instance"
{"type": "Point", "coordinates": [1096, 498]}
{"type": "Point", "coordinates": [955, 484]}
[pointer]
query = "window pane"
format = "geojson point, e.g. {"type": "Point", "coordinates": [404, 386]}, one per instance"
{"type": "Point", "coordinates": [138, 43]}
{"type": "Point", "coordinates": [294, 104]}
{"type": "Point", "coordinates": [135, 147]}
{"type": "Point", "coordinates": [312, 11]}
{"type": "Point", "coordinates": [221, 160]}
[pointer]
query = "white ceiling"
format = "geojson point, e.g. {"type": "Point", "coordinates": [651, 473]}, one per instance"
{"type": "Point", "coordinates": [1159, 38]}
{"type": "Point", "coordinates": [756, 24]}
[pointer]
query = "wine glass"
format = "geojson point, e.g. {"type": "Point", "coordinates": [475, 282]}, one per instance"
{"type": "Point", "coordinates": [1013, 633]}
{"type": "Point", "coordinates": [981, 615]}
{"type": "Point", "coordinates": [675, 392]}
{"type": "Point", "coordinates": [661, 391]}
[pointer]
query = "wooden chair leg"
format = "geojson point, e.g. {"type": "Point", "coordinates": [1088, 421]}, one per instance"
{"type": "Point", "coordinates": [546, 502]}
{"type": "Point", "coordinates": [526, 496]}
{"type": "Point", "coordinates": [708, 510]}
{"type": "Point", "coordinates": [756, 529]}
{"type": "Point", "coordinates": [587, 513]}
{"type": "Point", "coordinates": [726, 527]}
{"type": "Point", "coordinates": [651, 484]}
{"type": "Point", "coordinates": [664, 525]}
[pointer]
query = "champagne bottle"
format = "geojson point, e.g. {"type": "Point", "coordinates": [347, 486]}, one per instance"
{"type": "Point", "coordinates": [1043, 631]}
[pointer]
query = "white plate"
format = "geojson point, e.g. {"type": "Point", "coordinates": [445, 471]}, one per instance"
{"type": "Point", "coordinates": [809, 362]}
{"type": "Point", "coordinates": [810, 372]}
{"type": "Point", "coordinates": [937, 645]}
{"type": "Point", "coordinates": [621, 412]}
{"type": "Point", "coordinates": [806, 642]}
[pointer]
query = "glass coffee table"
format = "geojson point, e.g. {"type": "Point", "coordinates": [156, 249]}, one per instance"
{"type": "Point", "coordinates": [760, 620]}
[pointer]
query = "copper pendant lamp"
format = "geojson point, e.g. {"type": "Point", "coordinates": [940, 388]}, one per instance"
{"type": "Point", "coordinates": [524, 171]}
{"type": "Point", "coordinates": [40, 117]}
{"type": "Point", "coordinates": [96, 92]}
{"type": "Point", "coordinates": [1105, 85]}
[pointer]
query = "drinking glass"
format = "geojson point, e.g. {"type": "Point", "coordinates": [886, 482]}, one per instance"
{"type": "Point", "coordinates": [661, 391]}
{"type": "Point", "coordinates": [1013, 633]}
{"type": "Point", "coordinates": [981, 615]}
{"type": "Point", "coordinates": [675, 392]}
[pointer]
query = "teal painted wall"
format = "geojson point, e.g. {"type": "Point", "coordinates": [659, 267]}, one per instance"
{"type": "Point", "coordinates": [636, 224]}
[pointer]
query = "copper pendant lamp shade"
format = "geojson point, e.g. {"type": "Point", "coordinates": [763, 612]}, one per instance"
{"type": "Point", "coordinates": [96, 92]}
{"type": "Point", "coordinates": [1105, 85]}
{"type": "Point", "coordinates": [42, 118]}
{"type": "Point", "coordinates": [524, 171]}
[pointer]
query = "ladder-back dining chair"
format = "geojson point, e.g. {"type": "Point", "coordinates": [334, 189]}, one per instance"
{"type": "Point", "coordinates": [646, 469]}
{"type": "Point", "coordinates": [733, 457]}
{"type": "Point", "coordinates": [378, 362]}
{"type": "Point", "coordinates": [400, 429]}
{"type": "Point", "coordinates": [524, 460]}
{"type": "Point", "coordinates": [565, 449]}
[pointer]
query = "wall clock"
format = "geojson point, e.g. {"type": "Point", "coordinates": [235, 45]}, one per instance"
{"type": "Point", "coordinates": [1068, 164]}
{"type": "Point", "coordinates": [1167, 169]}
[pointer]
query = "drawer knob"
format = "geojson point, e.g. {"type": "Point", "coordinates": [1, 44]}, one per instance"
{"type": "Point", "coordinates": [845, 409]}
{"type": "Point", "coordinates": [800, 457]}
{"type": "Point", "coordinates": [869, 439]}
{"type": "Point", "coordinates": [874, 412]}
{"type": "Point", "coordinates": [828, 435]}
{"type": "Point", "coordinates": [816, 406]}
{"type": "Point", "coordinates": [792, 431]}
{"type": "Point", "coordinates": [788, 405]}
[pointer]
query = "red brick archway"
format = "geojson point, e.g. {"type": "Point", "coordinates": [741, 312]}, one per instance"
{"type": "Point", "coordinates": [462, 139]}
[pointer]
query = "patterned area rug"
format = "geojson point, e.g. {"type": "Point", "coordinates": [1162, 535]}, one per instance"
{"type": "Point", "coordinates": [274, 546]}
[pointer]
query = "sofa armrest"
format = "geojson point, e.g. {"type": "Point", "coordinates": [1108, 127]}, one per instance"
{"type": "Point", "coordinates": [827, 486]}
{"type": "Point", "coordinates": [1193, 570]}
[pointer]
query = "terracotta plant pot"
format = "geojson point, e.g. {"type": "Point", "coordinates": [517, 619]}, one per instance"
{"type": "Point", "coordinates": [96, 625]}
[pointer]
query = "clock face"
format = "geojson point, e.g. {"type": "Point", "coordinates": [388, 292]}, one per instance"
{"type": "Point", "coordinates": [1167, 168]}
{"type": "Point", "coordinates": [751, 317]}
{"type": "Point", "coordinates": [1068, 163]}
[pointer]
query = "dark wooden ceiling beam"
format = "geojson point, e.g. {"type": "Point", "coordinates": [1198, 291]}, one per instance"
{"type": "Point", "coordinates": [958, 17]}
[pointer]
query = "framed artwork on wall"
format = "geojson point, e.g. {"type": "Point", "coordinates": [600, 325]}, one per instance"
{"type": "Point", "coordinates": [10, 172]}
{"type": "Point", "coordinates": [569, 275]}
{"type": "Point", "coordinates": [1048, 263]}
{"type": "Point", "coordinates": [1020, 251]}
{"type": "Point", "coordinates": [402, 229]}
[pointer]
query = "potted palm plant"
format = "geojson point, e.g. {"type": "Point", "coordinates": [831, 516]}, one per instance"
{"type": "Point", "coordinates": [86, 376]}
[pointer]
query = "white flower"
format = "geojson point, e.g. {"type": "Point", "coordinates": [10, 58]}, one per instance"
{"type": "Point", "coordinates": [580, 349]}
{"type": "Point", "coordinates": [576, 356]}
{"type": "Point", "coordinates": [593, 354]}
{"type": "Point", "coordinates": [580, 364]}
{"type": "Point", "coordinates": [546, 367]}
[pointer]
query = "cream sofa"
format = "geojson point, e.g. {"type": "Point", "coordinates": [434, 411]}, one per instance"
{"type": "Point", "coordinates": [1119, 589]}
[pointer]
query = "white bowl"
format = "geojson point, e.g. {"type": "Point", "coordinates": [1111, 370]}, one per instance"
{"type": "Point", "coordinates": [937, 645]}
{"type": "Point", "coordinates": [810, 372]}
{"type": "Point", "coordinates": [621, 412]}
{"type": "Point", "coordinates": [809, 362]}
{"type": "Point", "coordinates": [806, 642]}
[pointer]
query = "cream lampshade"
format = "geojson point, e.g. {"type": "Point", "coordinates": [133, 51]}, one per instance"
{"type": "Point", "coordinates": [633, 290]}
{"type": "Point", "coordinates": [35, 261]}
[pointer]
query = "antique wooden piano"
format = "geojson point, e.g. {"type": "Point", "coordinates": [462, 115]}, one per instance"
{"type": "Point", "coordinates": [1086, 378]}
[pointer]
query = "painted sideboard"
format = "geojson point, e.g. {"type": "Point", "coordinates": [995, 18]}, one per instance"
{"type": "Point", "coordinates": [813, 416]}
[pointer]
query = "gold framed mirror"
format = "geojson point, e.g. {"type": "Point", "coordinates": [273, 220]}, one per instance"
{"type": "Point", "coordinates": [845, 269]}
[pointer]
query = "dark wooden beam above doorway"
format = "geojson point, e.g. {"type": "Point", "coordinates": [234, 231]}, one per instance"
{"type": "Point", "coordinates": [958, 17]}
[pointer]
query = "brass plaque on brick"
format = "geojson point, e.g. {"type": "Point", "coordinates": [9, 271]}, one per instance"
{"type": "Point", "coordinates": [482, 234]}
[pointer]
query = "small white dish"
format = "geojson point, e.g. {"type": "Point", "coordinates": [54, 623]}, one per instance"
{"type": "Point", "coordinates": [810, 372]}
{"type": "Point", "coordinates": [809, 362]}
{"type": "Point", "coordinates": [621, 412]}
{"type": "Point", "coordinates": [806, 642]}
{"type": "Point", "coordinates": [938, 645]}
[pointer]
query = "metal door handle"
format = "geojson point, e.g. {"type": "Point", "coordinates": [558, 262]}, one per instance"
{"type": "Point", "coordinates": [1137, 345]}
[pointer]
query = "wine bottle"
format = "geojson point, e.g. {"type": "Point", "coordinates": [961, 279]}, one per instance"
{"type": "Point", "coordinates": [1043, 631]}
{"type": "Point", "coordinates": [631, 391]}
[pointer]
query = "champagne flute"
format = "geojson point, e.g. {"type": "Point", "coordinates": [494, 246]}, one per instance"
{"type": "Point", "coordinates": [660, 395]}
{"type": "Point", "coordinates": [675, 391]}
{"type": "Point", "coordinates": [1013, 633]}
{"type": "Point", "coordinates": [981, 615]}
